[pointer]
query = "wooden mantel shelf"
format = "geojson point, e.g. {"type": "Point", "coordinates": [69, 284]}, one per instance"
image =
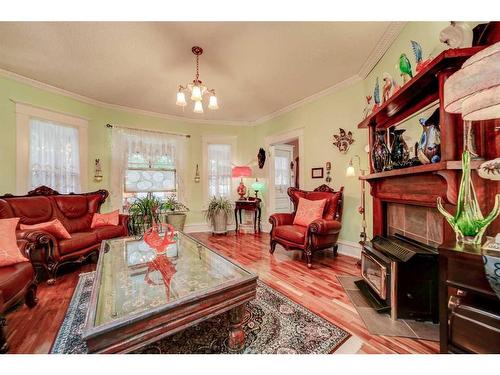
{"type": "Point", "coordinates": [444, 165]}
{"type": "Point", "coordinates": [419, 92]}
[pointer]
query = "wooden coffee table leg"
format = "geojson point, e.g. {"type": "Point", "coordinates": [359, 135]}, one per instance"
{"type": "Point", "coordinates": [236, 332]}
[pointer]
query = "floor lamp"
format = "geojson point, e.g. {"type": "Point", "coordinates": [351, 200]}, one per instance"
{"type": "Point", "coordinates": [351, 172]}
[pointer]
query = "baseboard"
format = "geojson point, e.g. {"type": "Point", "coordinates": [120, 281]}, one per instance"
{"type": "Point", "coordinates": [202, 227]}
{"type": "Point", "coordinates": [352, 249]}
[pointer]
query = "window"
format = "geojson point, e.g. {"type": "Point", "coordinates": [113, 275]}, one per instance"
{"type": "Point", "coordinates": [157, 177]}
{"type": "Point", "coordinates": [145, 163]}
{"type": "Point", "coordinates": [51, 150]}
{"type": "Point", "coordinates": [219, 170]}
{"type": "Point", "coordinates": [54, 156]}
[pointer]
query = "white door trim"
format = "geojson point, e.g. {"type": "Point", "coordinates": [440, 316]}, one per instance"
{"type": "Point", "coordinates": [277, 139]}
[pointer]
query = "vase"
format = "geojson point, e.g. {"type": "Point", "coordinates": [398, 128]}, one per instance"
{"type": "Point", "coordinates": [399, 150]}
{"type": "Point", "coordinates": [468, 222]}
{"type": "Point", "coordinates": [429, 146]}
{"type": "Point", "coordinates": [380, 153]}
{"type": "Point", "coordinates": [219, 223]}
{"type": "Point", "coordinates": [176, 219]}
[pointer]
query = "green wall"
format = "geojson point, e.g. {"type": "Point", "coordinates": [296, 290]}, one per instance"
{"type": "Point", "coordinates": [100, 137]}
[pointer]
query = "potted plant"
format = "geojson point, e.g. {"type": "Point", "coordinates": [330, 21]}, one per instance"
{"type": "Point", "coordinates": [218, 213]}
{"type": "Point", "coordinates": [175, 213]}
{"type": "Point", "coordinates": [143, 213]}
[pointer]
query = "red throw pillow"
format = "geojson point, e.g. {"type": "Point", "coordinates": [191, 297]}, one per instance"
{"type": "Point", "coordinates": [308, 211]}
{"type": "Point", "coordinates": [101, 220]}
{"type": "Point", "coordinates": [54, 227]}
{"type": "Point", "coordinates": [9, 251]}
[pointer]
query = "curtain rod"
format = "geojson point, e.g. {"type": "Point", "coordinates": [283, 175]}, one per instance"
{"type": "Point", "coordinates": [109, 126]}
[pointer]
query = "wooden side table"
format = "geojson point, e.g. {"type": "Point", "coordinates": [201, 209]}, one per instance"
{"type": "Point", "coordinates": [251, 204]}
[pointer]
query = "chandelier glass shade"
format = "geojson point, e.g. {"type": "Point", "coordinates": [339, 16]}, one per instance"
{"type": "Point", "coordinates": [196, 90]}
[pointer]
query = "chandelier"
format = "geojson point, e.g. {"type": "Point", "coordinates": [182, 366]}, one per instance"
{"type": "Point", "coordinates": [197, 89]}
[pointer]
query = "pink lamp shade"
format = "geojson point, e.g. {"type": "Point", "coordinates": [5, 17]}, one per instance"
{"type": "Point", "coordinates": [474, 90]}
{"type": "Point", "coordinates": [242, 171]}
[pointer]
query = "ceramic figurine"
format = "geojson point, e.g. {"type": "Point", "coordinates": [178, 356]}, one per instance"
{"type": "Point", "coordinates": [457, 35]}
{"type": "Point", "coordinates": [376, 96]}
{"type": "Point", "coordinates": [154, 240]}
{"type": "Point", "coordinates": [368, 106]}
{"type": "Point", "coordinates": [405, 67]}
{"type": "Point", "coordinates": [490, 170]}
{"type": "Point", "coordinates": [395, 86]}
{"type": "Point", "coordinates": [387, 88]}
{"type": "Point", "coordinates": [399, 149]}
{"type": "Point", "coordinates": [429, 147]}
{"type": "Point", "coordinates": [417, 51]}
{"type": "Point", "coordinates": [380, 153]}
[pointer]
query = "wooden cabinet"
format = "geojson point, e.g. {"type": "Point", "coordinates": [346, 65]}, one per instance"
{"type": "Point", "coordinates": [469, 309]}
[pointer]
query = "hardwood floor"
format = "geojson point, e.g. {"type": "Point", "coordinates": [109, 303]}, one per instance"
{"type": "Point", "coordinates": [33, 331]}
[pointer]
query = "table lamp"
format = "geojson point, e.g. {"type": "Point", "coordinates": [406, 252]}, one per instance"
{"type": "Point", "coordinates": [473, 91]}
{"type": "Point", "coordinates": [351, 172]}
{"type": "Point", "coordinates": [241, 171]}
{"type": "Point", "coordinates": [257, 186]}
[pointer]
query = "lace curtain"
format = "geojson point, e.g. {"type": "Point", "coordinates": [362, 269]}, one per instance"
{"type": "Point", "coordinates": [219, 170]}
{"type": "Point", "coordinates": [143, 149]}
{"type": "Point", "coordinates": [54, 156]}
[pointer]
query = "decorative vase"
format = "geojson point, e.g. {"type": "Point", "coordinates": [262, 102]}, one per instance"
{"type": "Point", "coordinates": [380, 153]}
{"type": "Point", "coordinates": [241, 190]}
{"type": "Point", "coordinates": [399, 150]}
{"type": "Point", "coordinates": [429, 146]}
{"type": "Point", "coordinates": [468, 223]}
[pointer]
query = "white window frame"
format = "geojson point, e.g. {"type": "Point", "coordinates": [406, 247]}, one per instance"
{"type": "Point", "coordinates": [24, 113]}
{"type": "Point", "coordinates": [217, 140]}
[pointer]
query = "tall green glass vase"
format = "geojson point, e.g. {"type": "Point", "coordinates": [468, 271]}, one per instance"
{"type": "Point", "coordinates": [468, 223]}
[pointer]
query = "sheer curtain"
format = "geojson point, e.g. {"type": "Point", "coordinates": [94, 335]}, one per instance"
{"type": "Point", "coordinates": [151, 146]}
{"type": "Point", "coordinates": [219, 170]}
{"type": "Point", "coordinates": [54, 156]}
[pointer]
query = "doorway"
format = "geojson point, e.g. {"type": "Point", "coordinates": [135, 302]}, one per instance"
{"type": "Point", "coordinates": [285, 166]}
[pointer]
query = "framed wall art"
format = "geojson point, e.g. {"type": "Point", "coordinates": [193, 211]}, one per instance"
{"type": "Point", "coordinates": [316, 172]}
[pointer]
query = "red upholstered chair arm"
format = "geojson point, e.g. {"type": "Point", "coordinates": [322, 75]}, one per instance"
{"type": "Point", "coordinates": [325, 227]}
{"type": "Point", "coordinates": [281, 219]}
{"type": "Point", "coordinates": [123, 221]}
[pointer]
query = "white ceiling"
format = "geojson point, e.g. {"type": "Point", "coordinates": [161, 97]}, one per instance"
{"type": "Point", "coordinates": [257, 68]}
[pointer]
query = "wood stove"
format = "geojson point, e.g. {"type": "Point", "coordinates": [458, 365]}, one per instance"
{"type": "Point", "coordinates": [400, 275]}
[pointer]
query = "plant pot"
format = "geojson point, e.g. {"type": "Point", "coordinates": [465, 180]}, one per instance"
{"type": "Point", "coordinates": [176, 219]}
{"type": "Point", "coordinates": [219, 223]}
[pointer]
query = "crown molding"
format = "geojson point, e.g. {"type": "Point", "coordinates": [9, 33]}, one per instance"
{"type": "Point", "coordinates": [85, 99]}
{"type": "Point", "coordinates": [389, 36]}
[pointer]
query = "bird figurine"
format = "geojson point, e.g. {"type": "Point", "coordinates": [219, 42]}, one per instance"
{"type": "Point", "coordinates": [387, 88]}
{"type": "Point", "coordinates": [457, 35]}
{"type": "Point", "coordinates": [405, 67]}
{"type": "Point", "coordinates": [376, 95]}
{"type": "Point", "coordinates": [368, 106]}
{"type": "Point", "coordinates": [395, 86]}
{"type": "Point", "coordinates": [417, 51]}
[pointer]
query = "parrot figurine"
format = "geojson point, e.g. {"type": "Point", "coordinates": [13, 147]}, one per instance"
{"type": "Point", "coordinates": [405, 67]}
{"type": "Point", "coordinates": [376, 95]}
{"type": "Point", "coordinates": [395, 86]}
{"type": "Point", "coordinates": [368, 107]}
{"type": "Point", "coordinates": [417, 51]}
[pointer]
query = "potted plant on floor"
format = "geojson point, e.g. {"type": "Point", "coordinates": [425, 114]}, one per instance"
{"type": "Point", "coordinates": [143, 213]}
{"type": "Point", "coordinates": [175, 213]}
{"type": "Point", "coordinates": [218, 213]}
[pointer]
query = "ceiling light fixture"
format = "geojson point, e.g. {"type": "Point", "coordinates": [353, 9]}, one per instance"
{"type": "Point", "coordinates": [197, 89]}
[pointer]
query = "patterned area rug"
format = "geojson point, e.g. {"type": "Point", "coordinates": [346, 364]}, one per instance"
{"type": "Point", "coordinates": [273, 324]}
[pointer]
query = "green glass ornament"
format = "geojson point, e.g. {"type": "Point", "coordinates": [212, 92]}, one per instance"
{"type": "Point", "coordinates": [468, 223]}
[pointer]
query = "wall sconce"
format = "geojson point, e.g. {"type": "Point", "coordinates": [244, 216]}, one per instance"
{"type": "Point", "coordinates": [328, 178]}
{"type": "Point", "coordinates": [197, 175]}
{"type": "Point", "coordinates": [97, 171]}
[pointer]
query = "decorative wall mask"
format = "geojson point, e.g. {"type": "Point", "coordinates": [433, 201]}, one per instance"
{"type": "Point", "coordinates": [261, 157]}
{"type": "Point", "coordinates": [343, 141]}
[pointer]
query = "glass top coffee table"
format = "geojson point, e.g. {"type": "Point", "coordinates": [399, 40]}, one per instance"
{"type": "Point", "coordinates": [139, 296]}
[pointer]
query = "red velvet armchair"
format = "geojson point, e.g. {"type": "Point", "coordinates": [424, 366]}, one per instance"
{"type": "Point", "coordinates": [320, 234]}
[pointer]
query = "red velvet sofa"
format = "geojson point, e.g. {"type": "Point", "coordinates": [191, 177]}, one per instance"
{"type": "Point", "coordinates": [74, 211]}
{"type": "Point", "coordinates": [320, 234]}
